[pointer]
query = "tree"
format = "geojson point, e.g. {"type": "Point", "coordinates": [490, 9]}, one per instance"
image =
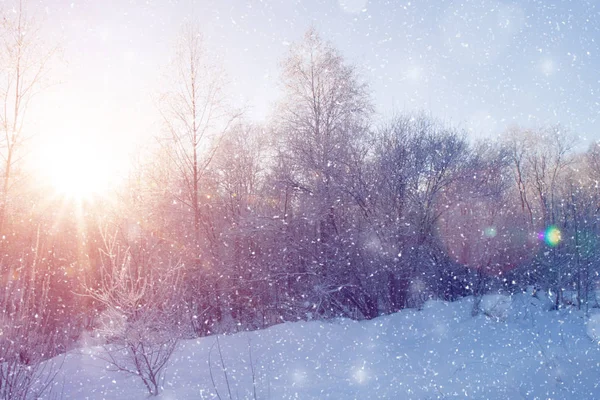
{"type": "Point", "coordinates": [481, 227]}
{"type": "Point", "coordinates": [196, 115]}
{"type": "Point", "coordinates": [25, 338]}
{"type": "Point", "coordinates": [417, 160]}
{"type": "Point", "coordinates": [23, 68]}
{"type": "Point", "coordinates": [27, 331]}
{"type": "Point", "coordinates": [322, 122]}
{"type": "Point", "coordinates": [240, 165]}
{"type": "Point", "coordinates": [540, 161]}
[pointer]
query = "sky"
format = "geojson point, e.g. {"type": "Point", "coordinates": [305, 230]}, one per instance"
{"type": "Point", "coordinates": [480, 65]}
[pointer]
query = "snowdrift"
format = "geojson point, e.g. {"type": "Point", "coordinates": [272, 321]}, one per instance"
{"type": "Point", "coordinates": [515, 348]}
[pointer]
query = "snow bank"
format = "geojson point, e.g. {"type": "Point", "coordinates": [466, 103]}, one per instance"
{"type": "Point", "coordinates": [441, 352]}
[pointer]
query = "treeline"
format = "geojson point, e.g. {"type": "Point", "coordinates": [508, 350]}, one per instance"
{"type": "Point", "coordinates": [318, 212]}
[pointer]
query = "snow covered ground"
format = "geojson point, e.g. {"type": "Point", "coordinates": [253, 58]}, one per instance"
{"type": "Point", "coordinates": [515, 349]}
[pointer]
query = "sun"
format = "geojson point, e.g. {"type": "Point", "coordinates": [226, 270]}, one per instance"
{"type": "Point", "coordinates": [78, 168]}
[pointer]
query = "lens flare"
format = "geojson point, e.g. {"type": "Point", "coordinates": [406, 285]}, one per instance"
{"type": "Point", "coordinates": [551, 236]}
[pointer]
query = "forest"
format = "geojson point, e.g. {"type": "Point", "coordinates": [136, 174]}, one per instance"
{"type": "Point", "coordinates": [325, 209]}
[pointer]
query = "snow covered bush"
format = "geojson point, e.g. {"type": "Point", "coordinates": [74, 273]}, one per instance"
{"type": "Point", "coordinates": [140, 297]}
{"type": "Point", "coordinates": [495, 306]}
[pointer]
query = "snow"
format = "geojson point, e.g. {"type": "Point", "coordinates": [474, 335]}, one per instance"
{"type": "Point", "coordinates": [495, 306]}
{"type": "Point", "coordinates": [593, 327]}
{"type": "Point", "coordinates": [514, 348]}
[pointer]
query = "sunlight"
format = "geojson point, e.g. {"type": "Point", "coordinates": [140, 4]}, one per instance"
{"type": "Point", "coordinates": [77, 168]}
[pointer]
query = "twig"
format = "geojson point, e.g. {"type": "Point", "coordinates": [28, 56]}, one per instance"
{"type": "Point", "coordinates": [212, 378]}
{"type": "Point", "coordinates": [224, 368]}
{"type": "Point", "coordinates": [252, 370]}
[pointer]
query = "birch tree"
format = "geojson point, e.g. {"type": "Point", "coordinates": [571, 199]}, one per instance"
{"type": "Point", "coordinates": [196, 115]}
{"type": "Point", "coordinates": [322, 119]}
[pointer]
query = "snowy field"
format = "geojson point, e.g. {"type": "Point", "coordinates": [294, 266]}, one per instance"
{"type": "Point", "coordinates": [514, 349]}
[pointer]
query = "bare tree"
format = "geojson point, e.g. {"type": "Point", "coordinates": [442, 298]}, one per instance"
{"type": "Point", "coordinates": [481, 227]}
{"type": "Point", "coordinates": [322, 121]}
{"type": "Point", "coordinates": [23, 68]}
{"type": "Point", "coordinates": [540, 160]}
{"type": "Point", "coordinates": [240, 166]}
{"type": "Point", "coordinates": [26, 342]}
{"type": "Point", "coordinates": [417, 161]}
{"type": "Point", "coordinates": [196, 114]}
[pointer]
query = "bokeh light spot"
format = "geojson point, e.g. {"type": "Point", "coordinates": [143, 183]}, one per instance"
{"type": "Point", "coordinates": [552, 236]}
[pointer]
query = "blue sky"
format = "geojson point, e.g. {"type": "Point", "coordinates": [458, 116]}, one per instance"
{"type": "Point", "coordinates": [482, 65]}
